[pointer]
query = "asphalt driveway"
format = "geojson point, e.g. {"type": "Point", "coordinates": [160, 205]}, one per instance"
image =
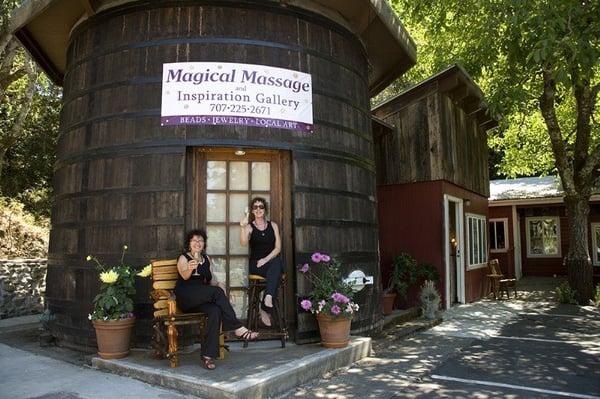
{"type": "Point", "coordinates": [525, 348]}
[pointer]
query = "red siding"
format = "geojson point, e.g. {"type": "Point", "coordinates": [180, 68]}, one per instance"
{"type": "Point", "coordinates": [411, 220]}
{"type": "Point", "coordinates": [536, 266]}
{"type": "Point", "coordinates": [506, 259]}
{"type": "Point", "coordinates": [474, 279]}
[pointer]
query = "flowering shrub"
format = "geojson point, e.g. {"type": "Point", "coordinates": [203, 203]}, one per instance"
{"type": "Point", "coordinates": [330, 294]}
{"type": "Point", "coordinates": [115, 300]}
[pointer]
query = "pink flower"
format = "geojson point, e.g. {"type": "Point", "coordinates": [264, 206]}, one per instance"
{"type": "Point", "coordinates": [341, 298]}
{"type": "Point", "coordinates": [316, 257]}
{"type": "Point", "coordinates": [335, 309]}
{"type": "Point", "coordinates": [306, 304]}
{"type": "Point", "coordinates": [304, 268]}
{"type": "Point", "coordinates": [325, 258]}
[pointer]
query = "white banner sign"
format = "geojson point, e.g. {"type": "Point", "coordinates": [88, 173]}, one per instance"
{"type": "Point", "coordinates": [220, 93]}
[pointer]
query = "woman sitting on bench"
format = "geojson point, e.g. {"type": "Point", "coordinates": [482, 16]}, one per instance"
{"type": "Point", "coordinates": [198, 290]}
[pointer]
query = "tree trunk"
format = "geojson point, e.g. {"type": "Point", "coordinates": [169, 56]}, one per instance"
{"type": "Point", "coordinates": [579, 265]}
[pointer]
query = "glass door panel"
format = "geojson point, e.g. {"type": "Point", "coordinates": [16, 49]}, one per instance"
{"type": "Point", "coordinates": [238, 175]}
{"type": "Point", "coordinates": [230, 183]}
{"type": "Point", "coordinates": [237, 206]}
{"type": "Point", "coordinates": [215, 175]}
{"type": "Point", "coordinates": [215, 207]}
{"type": "Point", "coordinates": [261, 176]}
{"type": "Point", "coordinates": [218, 267]}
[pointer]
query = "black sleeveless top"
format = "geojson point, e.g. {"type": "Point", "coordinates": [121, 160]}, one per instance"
{"type": "Point", "coordinates": [262, 242]}
{"type": "Point", "coordinates": [202, 273]}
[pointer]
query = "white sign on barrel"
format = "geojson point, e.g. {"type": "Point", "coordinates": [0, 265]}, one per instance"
{"type": "Point", "coordinates": [220, 93]}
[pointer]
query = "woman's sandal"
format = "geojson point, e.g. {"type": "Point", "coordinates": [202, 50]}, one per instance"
{"type": "Point", "coordinates": [262, 316]}
{"type": "Point", "coordinates": [248, 335]}
{"type": "Point", "coordinates": [208, 362]}
{"type": "Point", "coordinates": [269, 309]}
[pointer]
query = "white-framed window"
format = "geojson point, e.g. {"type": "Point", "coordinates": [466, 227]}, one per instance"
{"type": "Point", "coordinates": [476, 241]}
{"type": "Point", "coordinates": [543, 236]}
{"type": "Point", "coordinates": [498, 235]}
{"type": "Point", "coordinates": [595, 230]}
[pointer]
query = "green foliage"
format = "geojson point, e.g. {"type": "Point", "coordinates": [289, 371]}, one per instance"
{"type": "Point", "coordinates": [115, 300]}
{"type": "Point", "coordinates": [29, 114]}
{"type": "Point", "coordinates": [428, 272]}
{"type": "Point", "coordinates": [566, 294]}
{"type": "Point", "coordinates": [505, 46]}
{"type": "Point", "coordinates": [406, 272]}
{"type": "Point", "coordinates": [29, 162]}
{"type": "Point", "coordinates": [22, 235]}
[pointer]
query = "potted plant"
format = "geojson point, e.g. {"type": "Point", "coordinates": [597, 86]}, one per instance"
{"type": "Point", "coordinates": [112, 315]}
{"type": "Point", "coordinates": [330, 300]}
{"type": "Point", "coordinates": [404, 270]}
{"type": "Point", "coordinates": [407, 274]}
{"type": "Point", "coordinates": [395, 284]}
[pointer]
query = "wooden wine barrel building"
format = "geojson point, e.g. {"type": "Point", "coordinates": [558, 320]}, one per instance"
{"type": "Point", "coordinates": [123, 178]}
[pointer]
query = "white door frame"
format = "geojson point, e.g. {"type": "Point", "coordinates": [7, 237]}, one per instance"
{"type": "Point", "coordinates": [516, 236]}
{"type": "Point", "coordinates": [460, 264]}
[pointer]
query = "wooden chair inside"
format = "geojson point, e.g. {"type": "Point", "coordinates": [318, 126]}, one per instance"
{"type": "Point", "coordinates": [167, 318]}
{"type": "Point", "coordinates": [498, 283]}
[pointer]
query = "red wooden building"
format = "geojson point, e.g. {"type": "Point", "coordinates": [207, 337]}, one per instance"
{"type": "Point", "coordinates": [432, 180]}
{"type": "Point", "coordinates": [529, 228]}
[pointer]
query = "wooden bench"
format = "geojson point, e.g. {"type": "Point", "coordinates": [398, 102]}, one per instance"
{"type": "Point", "coordinates": [167, 318]}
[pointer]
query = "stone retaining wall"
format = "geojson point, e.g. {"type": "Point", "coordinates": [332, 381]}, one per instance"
{"type": "Point", "coordinates": [22, 286]}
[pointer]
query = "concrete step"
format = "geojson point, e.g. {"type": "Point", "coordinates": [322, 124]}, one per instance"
{"type": "Point", "coordinates": [261, 370]}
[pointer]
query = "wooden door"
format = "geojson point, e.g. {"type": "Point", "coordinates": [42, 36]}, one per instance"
{"type": "Point", "coordinates": [223, 184]}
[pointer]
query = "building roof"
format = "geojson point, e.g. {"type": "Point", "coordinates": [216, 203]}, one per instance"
{"type": "Point", "coordinates": [457, 84]}
{"type": "Point", "coordinates": [525, 188]}
{"type": "Point", "coordinates": [44, 26]}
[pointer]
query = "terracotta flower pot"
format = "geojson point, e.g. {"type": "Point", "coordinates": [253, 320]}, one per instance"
{"type": "Point", "coordinates": [335, 331]}
{"type": "Point", "coordinates": [388, 302]}
{"type": "Point", "coordinates": [113, 337]}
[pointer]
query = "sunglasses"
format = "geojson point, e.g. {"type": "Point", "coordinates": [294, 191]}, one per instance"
{"type": "Point", "coordinates": [260, 206]}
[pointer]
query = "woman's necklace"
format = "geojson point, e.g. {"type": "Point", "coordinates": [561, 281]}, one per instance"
{"type": "Point", "coordinates": [264, 230]}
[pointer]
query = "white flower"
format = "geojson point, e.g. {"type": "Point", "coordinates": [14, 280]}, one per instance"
{"type": "Point", "coordinates": [90, 316]}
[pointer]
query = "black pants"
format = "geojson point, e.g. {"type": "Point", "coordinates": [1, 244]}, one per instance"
{"type": "Point", "coordinates": [212, 301]}
{"type": "Point", "coordinates": [272, 272]}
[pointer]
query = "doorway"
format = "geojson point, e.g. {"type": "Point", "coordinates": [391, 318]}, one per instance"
{"type": "Point", "coordinates": [223, 181]}
{"type": "Point", "coordinates": [453, 250]}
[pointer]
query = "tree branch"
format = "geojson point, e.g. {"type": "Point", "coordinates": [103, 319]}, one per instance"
{"type": "Point", "coordinates": [11, 136]}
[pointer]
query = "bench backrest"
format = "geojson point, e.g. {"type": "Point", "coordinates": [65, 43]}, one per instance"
{"type": "Point", "coordinates": [164, 278]}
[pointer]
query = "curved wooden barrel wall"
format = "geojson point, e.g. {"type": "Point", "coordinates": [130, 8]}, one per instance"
{"type": "Point", "coordinates": [120, 176]}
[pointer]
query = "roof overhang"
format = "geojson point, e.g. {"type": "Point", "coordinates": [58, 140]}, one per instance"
{"type": "Point", "coordinates": [453, 81]}
{"type": "Point", "coordinates": [534, 201]}
{"type": "Point", "coordinates": [44, 26]}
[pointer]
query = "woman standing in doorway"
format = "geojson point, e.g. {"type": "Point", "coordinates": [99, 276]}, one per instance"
{"type": "Point", "coordinates": [265, 246]}
{"type": "Point", "coordinates": [198, 290]}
